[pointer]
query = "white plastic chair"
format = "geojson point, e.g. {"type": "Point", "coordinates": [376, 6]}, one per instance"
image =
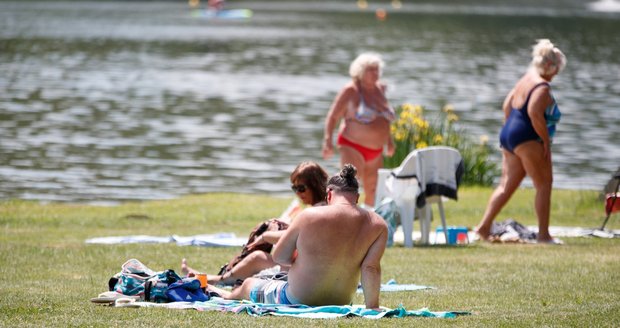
{"type": "Point", "coordinates": [404, 189]}
{"type": "Point", "coordinates": [432, 171]}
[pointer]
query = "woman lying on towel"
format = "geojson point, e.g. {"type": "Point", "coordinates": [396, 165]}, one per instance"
{"type": "Point", "coordinates": [309, 182]}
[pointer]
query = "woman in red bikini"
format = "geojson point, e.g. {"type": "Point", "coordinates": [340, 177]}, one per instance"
{"type": "Point", "coordinates": [365, 128]}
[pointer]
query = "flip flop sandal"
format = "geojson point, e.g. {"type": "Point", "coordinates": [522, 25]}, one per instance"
{"type": "Point", "coordinates": [126, 302]}
{"type": "Point", "coordinates": [109, 298]}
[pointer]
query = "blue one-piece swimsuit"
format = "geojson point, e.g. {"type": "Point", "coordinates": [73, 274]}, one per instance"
{"type": "Point", "coordinates": [519, 129]}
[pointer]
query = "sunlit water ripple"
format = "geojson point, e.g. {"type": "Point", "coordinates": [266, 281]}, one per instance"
{"type": "Point", "coordinates": [110, 101]}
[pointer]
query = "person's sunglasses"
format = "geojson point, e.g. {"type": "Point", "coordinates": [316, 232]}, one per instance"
{"type": "Point", "coordinates": [298, 188]}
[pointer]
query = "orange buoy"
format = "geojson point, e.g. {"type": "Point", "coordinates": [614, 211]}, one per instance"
{"type": "Point", "coordinates": [381, 14]}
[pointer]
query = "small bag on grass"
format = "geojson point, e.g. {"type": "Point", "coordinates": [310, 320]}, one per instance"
{"type": "Point", "coordinates": [135, 279]}
{"type": "Point", "coordinates": [186, 290]}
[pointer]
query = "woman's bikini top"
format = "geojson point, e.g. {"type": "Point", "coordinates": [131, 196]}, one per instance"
{"type": "Point", "coordinates": [552, 116]}
{"type": "Point", "coordinates": [365, 114]}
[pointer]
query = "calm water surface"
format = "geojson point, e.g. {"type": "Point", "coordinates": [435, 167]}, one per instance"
{"type": "Point", "coordinates": [109, 101]}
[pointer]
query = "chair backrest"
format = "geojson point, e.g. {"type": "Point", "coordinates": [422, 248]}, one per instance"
{"type": "Point", "coordinates": [439, 166]}
{"type": "Point", "coordinates": [408, 168]}
{"type": "Point", "coordinates": [424, 172]}
{"type": "Point", "coordinates": [402, 183]}
{"type": "Point", "coordinates": [438, 170]}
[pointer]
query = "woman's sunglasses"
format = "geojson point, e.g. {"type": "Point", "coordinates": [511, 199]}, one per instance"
{"type": "Point", "coordinates": [298, 188]}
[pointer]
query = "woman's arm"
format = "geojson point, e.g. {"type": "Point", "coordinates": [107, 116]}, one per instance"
{"type": "Point", "coordinates": [539, 101]}
{"type": "Point", "coordinates": [391, 147]}
{"type": "Point", "coordinates": [272, 237]}
{"type": "Point", "coordinates": [389, 114]}
{"type": "Point", "coordinates": [336, 112]}
{"type": "Point", "coordinates": [506, 106]}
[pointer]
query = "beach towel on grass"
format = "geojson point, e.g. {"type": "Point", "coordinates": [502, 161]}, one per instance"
{"type": "Point", "coordinates": [299, 311]}
{"type": "Point", "coordinates": [393, 286]}
{"type": "Point", "coordinates": [224, 239]}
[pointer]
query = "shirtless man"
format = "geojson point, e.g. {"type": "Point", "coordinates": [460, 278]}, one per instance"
{"type": "Point", "coordinates": [328, 248]}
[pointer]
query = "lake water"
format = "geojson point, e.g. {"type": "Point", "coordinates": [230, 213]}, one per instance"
{"type": "Point", "coordinates": [109, 101]}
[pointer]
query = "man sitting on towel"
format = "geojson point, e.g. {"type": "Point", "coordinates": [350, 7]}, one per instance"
{"type": "Point", "coordinates": [327, 248]}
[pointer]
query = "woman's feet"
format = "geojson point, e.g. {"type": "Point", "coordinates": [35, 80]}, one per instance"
{"type": "Point", "coordinates": [547, 239]}
{"type": "Point", "coordinates": [483, 233]}
{"type": "Point", "coordinates": [186, 270]}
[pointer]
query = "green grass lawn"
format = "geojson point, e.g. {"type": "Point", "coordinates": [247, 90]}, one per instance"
{"type": "Point", "coordinates": [49, 273]}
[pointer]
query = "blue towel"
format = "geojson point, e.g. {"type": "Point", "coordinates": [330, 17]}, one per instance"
{"type": "Point", "coordinates": [298, 310]}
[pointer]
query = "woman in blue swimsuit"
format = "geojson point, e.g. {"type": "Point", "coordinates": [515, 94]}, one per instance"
{"type": "Point", "coordinates": [531, 114]}
{"type": "Point", "coordinates": [365, 116]}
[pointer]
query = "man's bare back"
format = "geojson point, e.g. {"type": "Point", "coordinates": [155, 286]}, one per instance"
{"type": "Point", "coordinates": [329, 248]}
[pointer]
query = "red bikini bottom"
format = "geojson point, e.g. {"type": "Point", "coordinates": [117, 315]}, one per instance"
{"type": "Point", "coordinates": [368, 153]}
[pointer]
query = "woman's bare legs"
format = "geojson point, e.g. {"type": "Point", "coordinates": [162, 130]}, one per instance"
{"type": "Point", "coordinates": [369, 180]}
{"type": "Point", "coordinates": [349, 155]}
{"type": "Point", "coordinates": [186, 270]}
{"type": "Point", "coordinates": [241, 292]}
{"type": "Point", "coordinates": [252, 264]}
{"type": "Point", "coordinates": [540, 170]}
{"type": "Point", "coordinates": [512, 175]}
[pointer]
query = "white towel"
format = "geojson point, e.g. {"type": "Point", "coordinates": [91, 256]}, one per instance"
{"type": "Point", "coordinates": [438, 170]}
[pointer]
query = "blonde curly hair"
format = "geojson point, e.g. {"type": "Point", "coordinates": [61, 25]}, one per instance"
{"type": "Point", "coordinates": [546, 57]}
{"type": "Point", "coordinates": [359, 65]}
